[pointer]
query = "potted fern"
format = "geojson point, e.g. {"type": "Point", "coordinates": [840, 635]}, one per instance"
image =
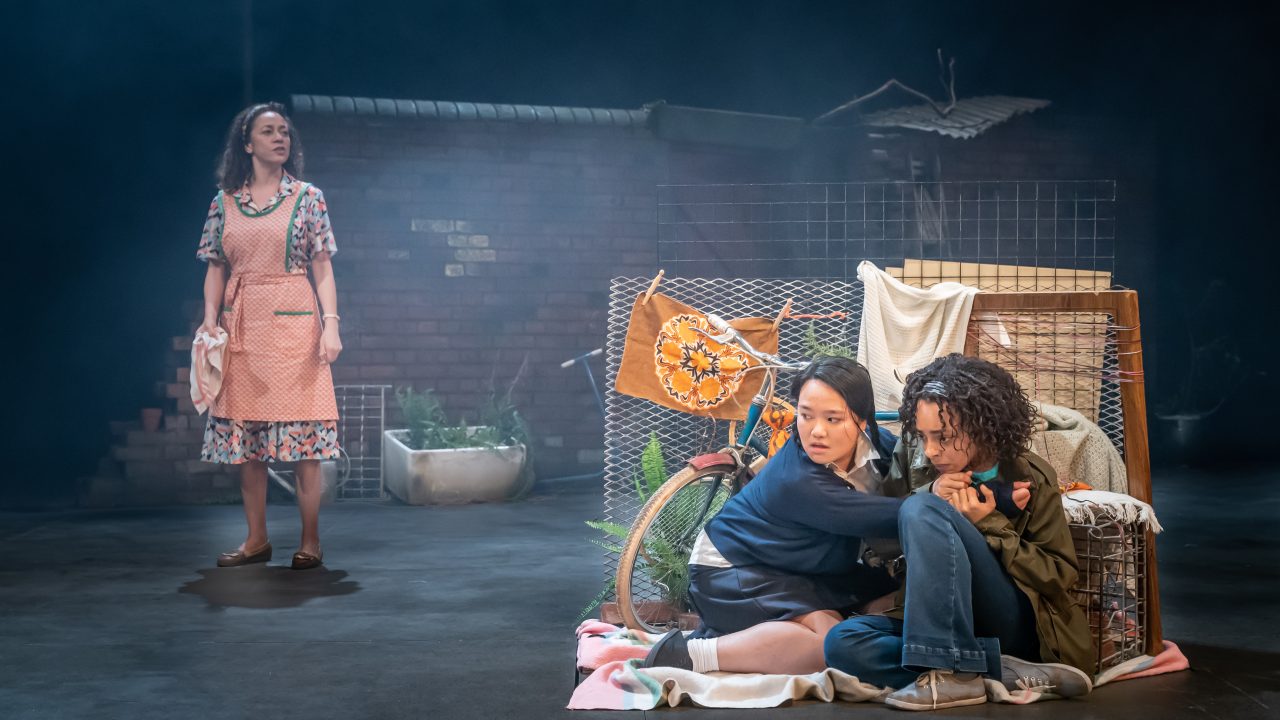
{"type": "Point", "coordinates": [435, 462]}
{"type": "Point", "coordinates": [667, 571]}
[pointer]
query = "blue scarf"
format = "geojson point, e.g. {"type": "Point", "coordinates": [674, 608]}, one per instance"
{"type": "Point", "coordinates": [981, 477]}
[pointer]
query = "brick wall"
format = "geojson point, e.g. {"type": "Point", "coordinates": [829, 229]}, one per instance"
{"type": "Point", "coordinates": [466, 247]}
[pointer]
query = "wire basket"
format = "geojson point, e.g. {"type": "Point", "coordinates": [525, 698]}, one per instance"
{"type": "Point", "coordinates": [1112, 587]}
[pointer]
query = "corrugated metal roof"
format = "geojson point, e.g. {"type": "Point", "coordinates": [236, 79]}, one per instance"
{"type": "Point", "coordinates": [447, 110]}
{"type": "Point", "coordinates": [968, 119]}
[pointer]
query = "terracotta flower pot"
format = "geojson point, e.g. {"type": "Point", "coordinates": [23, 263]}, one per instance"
{"type": "Point", "coordinates": [654, 613]}
{"type": "Point", "coordinates": [151, 418]}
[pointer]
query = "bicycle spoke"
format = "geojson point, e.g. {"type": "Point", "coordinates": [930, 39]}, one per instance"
{"type": "Point", "coordinates": [659, 577]}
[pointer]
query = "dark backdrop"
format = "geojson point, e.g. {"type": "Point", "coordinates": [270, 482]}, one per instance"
{"type": "Point", "coordinates": [116, 113]}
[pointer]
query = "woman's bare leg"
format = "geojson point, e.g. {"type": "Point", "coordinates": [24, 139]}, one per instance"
{"type": "Point", "coordinates": [791, 647]}
{"type": "Point", "coordinates": [253, 490]}
{"type": "Point", "coordinates": [310, 487]}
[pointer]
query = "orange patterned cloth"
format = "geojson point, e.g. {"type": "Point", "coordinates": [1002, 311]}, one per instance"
{"type": "Point", "coordinates": [779, 417]}
{"type": "Point", "coordinates": [695, 371]}
{"type": "Point", "coordinates": [272, 369]}
{"type": "Point", "coordinates": [669, 359]}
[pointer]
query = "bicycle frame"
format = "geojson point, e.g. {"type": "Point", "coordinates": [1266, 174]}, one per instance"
{"type": "Point", "coordinates": [771, 364]}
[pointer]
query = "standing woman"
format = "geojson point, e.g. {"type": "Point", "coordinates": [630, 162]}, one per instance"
{"type": "Point", "coordinates": [265, 228]}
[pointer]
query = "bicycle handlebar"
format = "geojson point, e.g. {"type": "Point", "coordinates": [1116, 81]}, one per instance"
{"type": "Point", "coordinates": [580, 358]}
{"type": "Point", "coordinates": [728, 334]}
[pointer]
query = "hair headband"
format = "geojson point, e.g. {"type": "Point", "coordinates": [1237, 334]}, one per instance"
{"type": "Point", "coordinates": [249, 117]}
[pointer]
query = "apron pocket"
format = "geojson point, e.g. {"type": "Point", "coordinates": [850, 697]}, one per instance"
{"type": "Point", "coordinates": [293, 332]}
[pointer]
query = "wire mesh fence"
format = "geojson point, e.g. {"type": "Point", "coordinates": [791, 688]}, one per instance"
{"type": "Point", "coordinates": [996, 235]}
{"type": "Point", "coordinates": [362, 416]}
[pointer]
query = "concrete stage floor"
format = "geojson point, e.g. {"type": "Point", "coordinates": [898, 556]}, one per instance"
{"type": "Point", "coordinates": [467, 612]}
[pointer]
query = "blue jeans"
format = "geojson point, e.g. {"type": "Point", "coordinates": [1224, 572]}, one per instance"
{"type": "Point", "coordinates": [961, 606]}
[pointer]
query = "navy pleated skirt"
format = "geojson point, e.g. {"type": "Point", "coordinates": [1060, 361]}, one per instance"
{"type": "Point", "coordinates": [736, 598]}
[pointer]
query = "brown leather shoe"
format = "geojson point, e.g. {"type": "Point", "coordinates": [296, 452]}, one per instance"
{"type": "Point", "coordinates": [306, 561]}
{"type": "Point", "coordinates": [243, 557]}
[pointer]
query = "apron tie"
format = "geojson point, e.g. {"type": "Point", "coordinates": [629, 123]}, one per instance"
{"type": "Point", "coordinates": [235, 285]}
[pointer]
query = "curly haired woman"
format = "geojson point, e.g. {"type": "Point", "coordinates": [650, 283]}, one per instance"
{"type": "Point", "coordinates": [984, 592]}
{"type": "Point", "coordinates": [264, 230]}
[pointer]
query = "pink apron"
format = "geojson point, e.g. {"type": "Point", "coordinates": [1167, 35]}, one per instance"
{"type": "Point", "coordinates": [272, 368]}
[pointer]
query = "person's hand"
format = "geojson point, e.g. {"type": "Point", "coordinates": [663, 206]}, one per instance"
{"type": "Point", "coordinates": [1021, 494]}
{"type": "Point", "coordinates": [330, 343]}
{"type": "Point", "coordinates": [208, 326]}
{"type": "Point", "coordinates": [949, 484]}
{"type": "Point", "coordinates": [967, 502]}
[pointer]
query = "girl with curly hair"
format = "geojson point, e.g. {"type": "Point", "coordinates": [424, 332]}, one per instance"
{"type": "Point", "coordinates": [987, 593]}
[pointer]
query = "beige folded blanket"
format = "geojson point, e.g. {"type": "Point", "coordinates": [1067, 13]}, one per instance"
{"type": "Point", "coordinates": [1078, 450]}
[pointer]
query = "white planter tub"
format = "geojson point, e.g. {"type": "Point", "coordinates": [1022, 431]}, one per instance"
{"type": "Point", "coordinates": [450, 477]}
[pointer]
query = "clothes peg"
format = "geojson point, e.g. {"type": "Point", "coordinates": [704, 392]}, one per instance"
{"type": "Point", "coordinates": [652, 286]}
{"type": "Point", "coordinates": [782, 315]}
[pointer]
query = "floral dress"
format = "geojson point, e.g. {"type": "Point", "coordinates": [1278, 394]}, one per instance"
{"type": "Point", "coordinates": [277, 401]}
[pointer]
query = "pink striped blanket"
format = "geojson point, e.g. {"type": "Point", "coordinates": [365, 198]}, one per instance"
{"type": "Point", "coordinates": [612, 654]}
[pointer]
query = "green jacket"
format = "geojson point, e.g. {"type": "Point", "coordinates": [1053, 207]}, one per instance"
{"type": "Point", "coordinates": [1035, 548]}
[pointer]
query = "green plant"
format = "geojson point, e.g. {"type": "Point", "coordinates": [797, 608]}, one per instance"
{"type": "Point", "coordinates": [500, 422]}
{"type": "Point", "coordinates": [424, 417]}
{"type": "Point", "coordinates": [509, 426]}
{"type": "Point", "coordinates": [429, 428]}
{"type": "Point", "coordinates": [814, 348]}
{"type": "Point", "coordinates": [653, 470]}
{"type": "Point", "coordinates": [618, 533]}
{"type": "Point", "coordinates": [665, 559]}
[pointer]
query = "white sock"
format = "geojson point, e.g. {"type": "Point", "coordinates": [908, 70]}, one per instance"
{"type": "Point", "coordinates": [704, 655]}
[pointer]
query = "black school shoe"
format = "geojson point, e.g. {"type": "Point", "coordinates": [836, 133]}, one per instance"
{"type": "Point", "coordinates": [672, 650]}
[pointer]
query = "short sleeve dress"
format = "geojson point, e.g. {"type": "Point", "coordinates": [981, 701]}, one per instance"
{"type": "Point", "coordinates": [277, 401]}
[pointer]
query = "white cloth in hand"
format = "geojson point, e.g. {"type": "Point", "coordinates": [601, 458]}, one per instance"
{"type": "Point", "coordinates": [206, 368]}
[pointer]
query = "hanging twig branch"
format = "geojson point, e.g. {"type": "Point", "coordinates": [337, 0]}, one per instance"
{"type": "Point", "coordinates": [948, 84]}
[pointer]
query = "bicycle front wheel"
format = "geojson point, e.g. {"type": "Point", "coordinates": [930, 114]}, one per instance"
{"type": "Point", "coordinates": [653, 570]}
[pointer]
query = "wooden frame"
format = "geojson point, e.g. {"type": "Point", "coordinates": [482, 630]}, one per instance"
{"type": "Point", "coordinates": [1122, 306]}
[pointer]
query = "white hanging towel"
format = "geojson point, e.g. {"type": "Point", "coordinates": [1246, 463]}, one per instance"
{"type": "Point", "coordinates": [206, 368]}
{"type": "Point", "coordinates": [905, 328]}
